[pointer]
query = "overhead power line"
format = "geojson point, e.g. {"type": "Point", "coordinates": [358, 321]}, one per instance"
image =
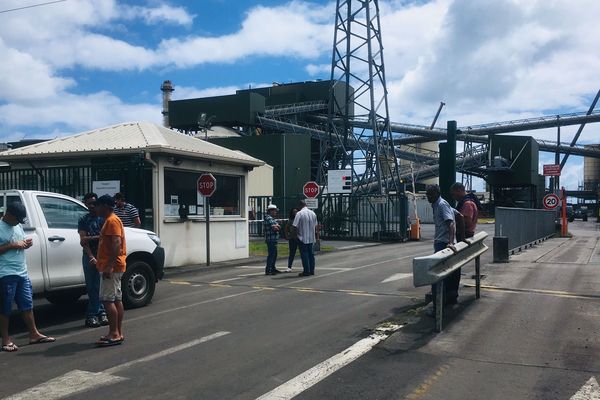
{"type": "Point", "coordinates": [32, 6]}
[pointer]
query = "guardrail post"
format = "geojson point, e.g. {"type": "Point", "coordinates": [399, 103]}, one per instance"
{"type": "Point", "coordinates": [477, 278]}
{"type": "Point", "coordinates": [439, 305]}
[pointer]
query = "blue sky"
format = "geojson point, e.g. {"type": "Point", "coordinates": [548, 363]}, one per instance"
{"type": "Point", "coordinates": [84, 64]}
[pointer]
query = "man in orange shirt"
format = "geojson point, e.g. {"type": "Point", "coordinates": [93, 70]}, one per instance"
{"type": "Point", "coordinates": [111, 263]}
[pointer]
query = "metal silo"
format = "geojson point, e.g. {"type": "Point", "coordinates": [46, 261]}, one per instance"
{"type": "Point", "coordinates": [591, 171]}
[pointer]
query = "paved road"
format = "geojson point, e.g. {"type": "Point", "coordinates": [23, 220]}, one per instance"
{"type": "Point", "coordinates": [233, 333]}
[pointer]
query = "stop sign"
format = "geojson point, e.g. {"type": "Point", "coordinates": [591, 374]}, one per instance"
{"type": "Point", "coordinates": [207, 184]}
{"type": "Point", "coordinates": [311, 189]}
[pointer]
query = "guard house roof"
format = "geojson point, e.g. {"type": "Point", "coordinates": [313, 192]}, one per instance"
{"type": "Point", "coordinates": [130, 138]}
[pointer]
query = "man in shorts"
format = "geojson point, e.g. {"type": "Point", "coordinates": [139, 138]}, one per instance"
{"type": "Point", "coordinates": [15, 285]}
{"type": "Point", "coordinates": [111, 264]}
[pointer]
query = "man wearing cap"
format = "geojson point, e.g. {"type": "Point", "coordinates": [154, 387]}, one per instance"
{"type": "Point", "coordinates": [15, 285]}
{"type": "Point", "coordinates": [111, 263]}
{"type": "Point", "coordinates": [271, 228]}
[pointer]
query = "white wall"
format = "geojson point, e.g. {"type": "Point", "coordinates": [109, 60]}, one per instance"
{"type": "Point", "coordinates": [260, 181]}
{"type": "Point", "coordinates": [185, 241]}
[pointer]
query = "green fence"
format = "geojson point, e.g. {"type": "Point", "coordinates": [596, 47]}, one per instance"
{"type": "Point", "coordinates": [348, 217]}
{"type": "Point", "coordinates": [75, 181]}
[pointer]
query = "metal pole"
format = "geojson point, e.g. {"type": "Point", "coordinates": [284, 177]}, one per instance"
{"type": "Point", "coordinates": [207, 211]}
{"type": "Point", "coordinates": [574, 141]}
{"type": "Point", "coordinates": [448, 162]}
{"type": "Point", "coordinates": [477, 277]}
{"type": "Point", "coordinates": [557, 155]}
{"type": "Point", "coordinates": [439, 305]}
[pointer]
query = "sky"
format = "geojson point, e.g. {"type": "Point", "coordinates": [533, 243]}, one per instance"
{"type": "Point", "coordinates": [83, 64]}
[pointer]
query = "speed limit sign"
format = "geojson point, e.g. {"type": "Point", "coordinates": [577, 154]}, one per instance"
{"type": "Point", "coordinates": [551, 201]}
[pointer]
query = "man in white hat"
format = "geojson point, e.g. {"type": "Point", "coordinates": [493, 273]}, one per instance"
{"type": "Point", "coordinates": [271, 229]}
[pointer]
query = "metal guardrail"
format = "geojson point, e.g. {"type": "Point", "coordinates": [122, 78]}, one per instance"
{"type": "Point", "coordinates": [435, 268]}
{"type": "Point", "coordinates": [524, 226]}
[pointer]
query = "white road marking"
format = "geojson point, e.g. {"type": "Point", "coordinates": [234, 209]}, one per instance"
{"type": "Point", "coordinates": [589, 391]}
{"type": "Point", "coordinates": [75, 382]}
{"type": "Point", "coordinates": [71, 383]}
{"type": "Point", "coordinates": [316, 374]}
{"type": "Point", "coordinates": [227, 280]}
{"type": "Point", "coordinates": [397, 277]}
{"type": "Point", "coordinates": [299, 268]}
{"type": "Point", "coordinates": [166, 352]}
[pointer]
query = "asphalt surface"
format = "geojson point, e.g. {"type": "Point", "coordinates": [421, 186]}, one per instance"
{"type": "Point", "coordinates": [233, 333]}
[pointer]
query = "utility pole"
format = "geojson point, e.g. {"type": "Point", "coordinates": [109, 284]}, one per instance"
{"type": "Point", "coordinates": [359, 92]}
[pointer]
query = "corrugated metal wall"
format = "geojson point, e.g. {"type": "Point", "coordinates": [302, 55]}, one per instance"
{"type": "Point", "coordinates": [424, 210]}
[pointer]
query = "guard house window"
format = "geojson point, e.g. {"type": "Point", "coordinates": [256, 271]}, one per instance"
{"type": "Point", "coordinates": [180, 190]}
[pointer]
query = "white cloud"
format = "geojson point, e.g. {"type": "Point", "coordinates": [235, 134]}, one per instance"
{"type": "Point", "coordinates": [78, 112]}
{"type": "Point", "coordinates": [318, 69]}
{"type": "Point", "coordinates": [162, 13]}
{"type": "Point", "coordinates": [23, 78]}
{"type": "Point", "coordinates": [296, 29]}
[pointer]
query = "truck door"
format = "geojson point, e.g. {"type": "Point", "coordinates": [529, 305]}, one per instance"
{"type": "Point", "coordinates": [63, 251]}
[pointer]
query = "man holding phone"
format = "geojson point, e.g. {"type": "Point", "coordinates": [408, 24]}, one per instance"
{"type": "Point", "coordinates": [15, 285]}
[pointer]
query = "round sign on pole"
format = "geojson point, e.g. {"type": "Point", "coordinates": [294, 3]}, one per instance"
{"type": "Point", "coordinates": [551, 201]}
{"type": "Point", "coordinates": [311, 189]}
{"type": "Point", "coordinates": [207, 184]}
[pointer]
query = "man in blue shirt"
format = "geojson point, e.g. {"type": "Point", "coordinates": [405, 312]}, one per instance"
{"type": "Point", "coordinates": [15, 285]}
{"type": "Point", "coordinates": [443, 219]}
{"type": "Point", "coordinates": [89, 228]}
{"type": "Point", "coordinates": [271, 229]}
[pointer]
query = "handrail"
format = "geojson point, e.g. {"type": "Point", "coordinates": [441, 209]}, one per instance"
{"type": "Point", "coordinates": [433, 269]}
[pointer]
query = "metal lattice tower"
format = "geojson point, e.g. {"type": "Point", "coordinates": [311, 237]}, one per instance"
{"type": "Point", "coordinates": [358, 71]}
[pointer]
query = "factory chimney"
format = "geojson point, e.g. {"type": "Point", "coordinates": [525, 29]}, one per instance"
{"type": "Point", "coordinates": [166, 88]}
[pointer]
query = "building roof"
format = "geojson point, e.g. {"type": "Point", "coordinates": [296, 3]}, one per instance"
{"type": "Point", "coordinates": [218, 132]}
{"type": "Point", "coordinates": [129, 138]}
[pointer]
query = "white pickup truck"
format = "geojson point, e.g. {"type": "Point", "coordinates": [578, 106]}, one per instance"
{"type": "Point", "coordinates": [54, 260]}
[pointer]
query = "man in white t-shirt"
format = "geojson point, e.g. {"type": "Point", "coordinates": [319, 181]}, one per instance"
{"type": "Point", "coordinates": [306, 223]}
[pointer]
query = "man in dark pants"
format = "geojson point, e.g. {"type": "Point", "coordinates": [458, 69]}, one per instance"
{"type": "Point", "coordinates": [306, 223]}
{"type": "Point", "coordinates": [89, 228]}
{"type": "Point", "coordinates": [271, 228]}
{"type": "Point", "coordinates": [467, 209]}
{"type": "Point", "coordinates": [443, 218]}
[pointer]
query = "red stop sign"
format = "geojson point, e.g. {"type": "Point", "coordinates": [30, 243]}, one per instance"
{"type": "Point", "coordinates": [311, 189]}
{"type": "Point", "coordinates": [207, 184]}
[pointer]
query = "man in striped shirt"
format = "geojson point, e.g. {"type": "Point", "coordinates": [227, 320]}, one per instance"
{"type": "Point", "coordinates": [126, 212]}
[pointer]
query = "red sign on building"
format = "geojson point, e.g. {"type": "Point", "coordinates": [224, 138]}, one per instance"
{"type": "Point", "coordinates": [552, 170]}
{"type": "Point", "coordinates": [207, 184]}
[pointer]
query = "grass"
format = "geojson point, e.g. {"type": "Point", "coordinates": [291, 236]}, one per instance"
{"type": "Point", "coordinates": [485, 220]}
{"type": "Point", "coordinates": [259, 249]}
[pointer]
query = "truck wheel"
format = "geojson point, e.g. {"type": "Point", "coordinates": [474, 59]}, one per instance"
{"type": "Point", "coordinates": [64, 298]}
{"type": "Point", "coordinates": [138, 284]}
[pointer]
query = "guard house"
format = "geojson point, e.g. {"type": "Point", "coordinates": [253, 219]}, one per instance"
{"type": "Point", "coordinates": [157, 169]}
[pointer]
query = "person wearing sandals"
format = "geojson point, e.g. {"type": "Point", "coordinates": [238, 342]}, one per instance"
{"type": "Point", "coordinates": [111, 263]}
{"type": "Point", "coordinates": [291, 234]}
{"type": "Point", "coordinates": [15, 285]}
{"type": "Point", "coordinates": [89, 227]}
